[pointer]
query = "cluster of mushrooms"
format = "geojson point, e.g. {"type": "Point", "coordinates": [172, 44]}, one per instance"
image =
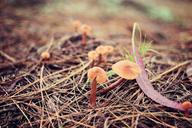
{"type": "Point", "coordinates": [99, 54]}
{"type": "Point", "coordinates": [83, 29]}
{"type": "Point", "coordinates": [125, 69]}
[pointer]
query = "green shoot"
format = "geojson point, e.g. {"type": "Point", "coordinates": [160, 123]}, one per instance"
{"type": "Point", "coordinates": [144, 48]}
{"type": "Point", "coordinates": [128, 55]}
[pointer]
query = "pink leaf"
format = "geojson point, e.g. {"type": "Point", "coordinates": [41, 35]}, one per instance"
{"type": "Point", "coordinates": [146, 86]}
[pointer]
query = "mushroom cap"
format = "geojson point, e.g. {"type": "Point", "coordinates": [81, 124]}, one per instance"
{"type": "Point", "coordinates": [97, 73]}
{"type": "Point", "coordinates": [76, 23]}
{"type": "Point", "coordinates": [186, 105]}
{"type": "Point", "coordinates": [101, 50]}
{"type": "Point", "coordinates": [92, 55]}
{"type": "Point", "coordinates": [86, 29]}
{"type": "Point", "coordinates": [109, 49]}
{"type": "Point", "coordinates": [45, 55]}
{"type": "Point", "coordinates": [126, 69]}
{"type": "Point", "coordinates": [104, 49]}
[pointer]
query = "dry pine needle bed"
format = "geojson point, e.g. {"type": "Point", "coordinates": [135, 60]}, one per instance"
{"type": "Point", "coordinates": [55, 92]}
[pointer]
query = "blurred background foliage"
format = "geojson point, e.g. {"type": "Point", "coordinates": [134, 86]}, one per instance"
{"type": "Point", "coordinates": [110, 15]}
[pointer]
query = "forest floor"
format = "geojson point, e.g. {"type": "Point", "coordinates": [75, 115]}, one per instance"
{"type": "Point", "coordinates": [54, 93]}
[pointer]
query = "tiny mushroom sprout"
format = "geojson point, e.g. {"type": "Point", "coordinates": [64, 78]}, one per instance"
{"type": "Point", "coordinates": [92, 55]}
{"type": "Point", "coordinates": [76, 24]}
{"type": "Point", "coordinates": [45, 55]}
{"type": "Point", "coordinates": [186, 106]}
{"type": "Point", "coordinates": [126, 69]}
{"type": "Point", "coordinates": [85, 30]}
{"type": "Point", "coordinates": [97, 76]}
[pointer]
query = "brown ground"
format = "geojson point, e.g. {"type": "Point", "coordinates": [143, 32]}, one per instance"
{"type": "Point", "coordinates": [54, 93]}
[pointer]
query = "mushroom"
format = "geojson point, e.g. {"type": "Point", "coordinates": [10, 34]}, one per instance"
{"type": "Point", "coordinates": [97, 76]}
{"type": "Point", "coordinates": [85, 30]}
{"type": "Point", "coordinates": [92, 55]}
{"type": "Point", "coordinates": [186, 106]}
{"type": "Point", "coordinates": [103, 50]}
{"type": "Point", "coordinates": [76, 24]}
{"type": "Point", "coordinates": [45, 55]}
{"type": "Point", "coordinates": [127, 70]}
{"type": "Point", "coordinates": [109, 49]}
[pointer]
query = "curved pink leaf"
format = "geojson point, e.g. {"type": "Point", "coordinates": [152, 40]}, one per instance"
{"type": "Point", "coordinates": [146, 86]}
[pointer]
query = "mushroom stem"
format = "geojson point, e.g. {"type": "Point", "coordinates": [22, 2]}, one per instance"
{"type": "Point", "coordinates": [100, 58]}
{"type": "Point", "coordinates": [92, 98]}
{"type": "Point", "coordinates": [84, 39]}
{"type": "Point", "coordinates": [92, 63]}
{"type": "Point", "coordinates": [76, 29]}
{"type": "Point", "coordinates": [112, 86]}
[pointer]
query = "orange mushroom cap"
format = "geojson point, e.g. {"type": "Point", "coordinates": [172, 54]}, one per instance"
{"type": "Point", "coordinates": [109, 49]}
{"type": "Point", "coordinates": [186, 105]}
{"type": "Point", "coordinates": [126, 69]}
{"type": "Point", "coordinates": [97, 73]}
{"type": "Point", "coordinates": [86, 29]}
{"type": "Point", "coordinates": [92, 55]}
{"type": "Point", "coordinates": [45, 55]}
{"type": "Point", "coordinates": [104, 49]}
{"type": "Point", "coordinates": [76, 23]}
{"type": "Point", "coordinates": [101, 49]}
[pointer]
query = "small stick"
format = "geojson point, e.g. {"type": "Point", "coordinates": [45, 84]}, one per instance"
{"type": "Point", "coordinates": [7, 56]}
{"type": "Point", "coordinates": [112, 86]}
{"type": "Point", "coordinates": [170, 70]}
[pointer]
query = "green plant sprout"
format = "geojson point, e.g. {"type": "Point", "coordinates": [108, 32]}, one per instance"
{"type": "Point", "coordinates": [143, 49]}
{"type": "Point", "coordinates": [127, 55]}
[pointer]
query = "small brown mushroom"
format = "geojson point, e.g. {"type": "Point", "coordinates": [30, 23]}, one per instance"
{"type": "Point", "coordinates": [85, 30]}
{"type": "Point", "coordinates": [186, 106]}
{"type": "Point", "coordinates": [97, 76]}
{"type": "Point", "coordinates": [45, 55]}
{"type": "Point", "coordinates": [126, 69]}
{"type": "Point", "coordinates": [104, 50]}
{"type": "Point", "coordinates": [109, 49]}
{"type": "Point", "coordinates": [76, 24]}
{"type": "Point", "coordinates": [92, 55]}
{"type": "Point", "coordinates": [101, 51]}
